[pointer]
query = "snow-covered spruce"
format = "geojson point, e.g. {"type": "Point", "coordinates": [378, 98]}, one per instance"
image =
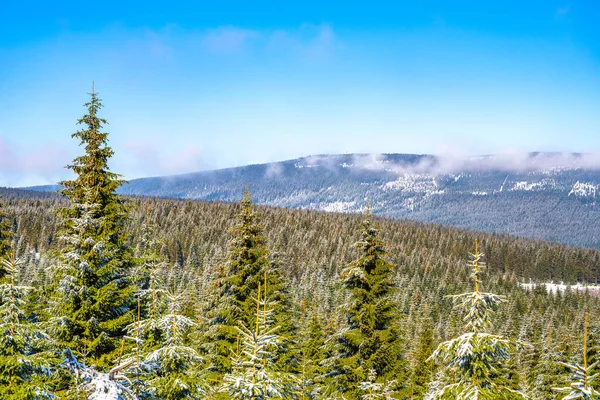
{"type": "Point", "coordinates": [474, 358]}
{"type": "Point", "coordinates": [95, 385]}
{"type": "Point", "coordinates": [171, 370]}
{"type": "Point", "coordinates": [25, 356]}
{"type": "Point", "coordinates": [372, 338]}
{"type": "Point", "coordinates": [93, 295]}
{"type": "Point", "coordinates": [582, 385]}
{"type": "Point", "coordinates": [373, 390]}
{"type": "Point", "coordinates": [253, 376]}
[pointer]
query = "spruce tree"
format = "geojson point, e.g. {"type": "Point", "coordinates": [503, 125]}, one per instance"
{"type": "Point", "coordinates": [547, 373]}
{"type": "Point", "coordinates": [372, 390]}
{"type": "Point", "coordinates": [312, 355]}
{"type": "Point", "coordinates": [91, 384]}
{"type": "Point", "coordinates": [475, 358]}
{"type": "Point", "coordinates": [422, 370]}
{"type": "Point", "coordinates": [149, 268]}
{"type": "Point", "coordinates": [371, 343]}
{"type": "Point", "coordinates": [248, 266]}
{"type": "Point", "coordinates": [254, 375]}
{"type": "Point", "coordinates": [582, 385]}
{"type": "Point", "coordinates": [95, 299]}
{"type": "Point", "coordinates": [172, 368]}
{"type": "Point", "coordinates": [5, 236]}
{"type": "Point", "coordinates": [25, 356]}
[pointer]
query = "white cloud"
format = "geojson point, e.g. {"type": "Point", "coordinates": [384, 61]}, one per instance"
{"type": "Point", "coordinates": [509, 160]}
{"type": "Point", "coordinates": [147, 157]}
{"type": "Point", "coordinates": [31, 165]}
{"type": "Point", "coordinates": [273, 170]}
{"type": "Point", "coordinates": [311, 42]}
{"type": "Point", "coordinates": [228, 39]}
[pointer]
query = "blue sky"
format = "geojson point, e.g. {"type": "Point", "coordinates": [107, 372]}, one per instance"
{"type": "Point", "coordinates": [198, 85]}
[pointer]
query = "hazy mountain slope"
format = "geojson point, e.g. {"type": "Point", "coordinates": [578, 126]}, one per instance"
{"type": "Point", "coordinates": [545, 196]}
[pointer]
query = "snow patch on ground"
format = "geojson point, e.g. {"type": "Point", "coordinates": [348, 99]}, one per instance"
{"type": "Point", "coordinates": [412, 183]}
{"type": "Point", "coordinates": [552, 170]}
{"type": "Point", "coordinates": [300, 166]}
{"type": "Point", "coordinates": [409, 204]}
{"type": "Point", "coordinates": [582, 189]}
{"type": "Point", "coordinates": [529, 186]}
{"type": "Point", "coordinates": [561, 287]}
{"type": "Point", "coordinates": [336, 206]}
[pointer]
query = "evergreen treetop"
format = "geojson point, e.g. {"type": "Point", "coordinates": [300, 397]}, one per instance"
{"type": "Point", "coordinates": [95, 299]}
{"type": "Point", "coordinates": [371, 343]}
{"type": "Point", "coordinates": [248, 266]}
{"type": "Point", "coordinates": [254, 375]}
{"type": "Point", "coordinates": [475, 357]}
{"type": "Point", "coordinates": [172, 366]}
{"type": "Point", "coordinates": [94, 182]}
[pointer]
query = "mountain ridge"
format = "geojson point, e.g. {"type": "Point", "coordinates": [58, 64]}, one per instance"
{"type": "Point", "coordinates": [547, 196]}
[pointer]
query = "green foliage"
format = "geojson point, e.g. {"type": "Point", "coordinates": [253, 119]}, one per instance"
{"type": "Point", "coordinates": [25, 359]}
{"type": "Point", "coordinates": [5, 237]}
{"type": "Point", "coordinates": [94, 297]}
{"type": "Point", "coordinates": [172, 368]}
{"type": "Point", "coordinates": [475, 357]}
{"type": "Point", "coordinates": [582, 385]}
{"type": "Point", "coordinates": [312, 251]}
{"type": "Point", "coordinates": [248, 266]}
{"type": "Point", "coordinates": [313, 354]}
{"type": "Point", "coordinates": [371, 341]}
{"type": "Point", "coordinates": [423, 369]}
{"type": "Point", "coordinates": [254, 375]}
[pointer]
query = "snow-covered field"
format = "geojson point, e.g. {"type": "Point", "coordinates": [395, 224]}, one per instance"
{"type": "Point", "coordinates": [562, 287]}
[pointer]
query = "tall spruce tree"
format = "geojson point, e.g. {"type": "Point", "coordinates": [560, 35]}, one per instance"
{"type": "Point", "coordinates": [370, 349]}
{"type": "Point", "coordinates": [248, 266]}
{"type": "Point", "coordinates": [546, 372]}
{"type": "Point", "coordinates": [95, 299]}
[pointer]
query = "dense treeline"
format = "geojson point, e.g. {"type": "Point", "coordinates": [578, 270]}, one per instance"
{"type": "Point", "coordinates": [196, 233]}
{"type": "Point", "coordinates": [107, 298]}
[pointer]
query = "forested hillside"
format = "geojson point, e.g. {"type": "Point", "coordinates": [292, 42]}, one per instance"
{"type": "Point", "coordinates": [195, 233]}
{"type": "Point", "coordinates": [106, 297]}
{"type": "Point", "coordinates": [191, 245]}
{"type": "Point", "coordinates": [546, 196]}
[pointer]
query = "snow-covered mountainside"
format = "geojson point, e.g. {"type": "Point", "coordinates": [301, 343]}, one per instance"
{"type": "Point", "coordinates": [546, 196]}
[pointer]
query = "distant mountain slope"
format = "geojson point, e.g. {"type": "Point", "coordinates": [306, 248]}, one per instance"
{"type": "Point", "coordinates": [545, 196]}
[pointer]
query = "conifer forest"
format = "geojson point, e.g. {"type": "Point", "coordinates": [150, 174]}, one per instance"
{"type": "Point", "coordinates": [108, 297]}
